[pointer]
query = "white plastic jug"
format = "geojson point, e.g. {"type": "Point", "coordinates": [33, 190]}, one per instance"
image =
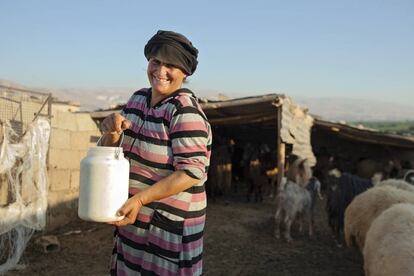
{"type": "Point", "coordinates": [104, 177]}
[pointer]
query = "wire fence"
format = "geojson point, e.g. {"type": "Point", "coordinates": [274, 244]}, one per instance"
{"type": "Point", "coordinates": [21, 107]}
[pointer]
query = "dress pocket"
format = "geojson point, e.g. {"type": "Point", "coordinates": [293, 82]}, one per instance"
{"type": "Point", "coordinates": [165, 237]}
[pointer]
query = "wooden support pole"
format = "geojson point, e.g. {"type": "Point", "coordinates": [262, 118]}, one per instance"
{"type": "Point", "coordinates": [281, 166]}
{"type": "Point", "coordinates": [281, 149]}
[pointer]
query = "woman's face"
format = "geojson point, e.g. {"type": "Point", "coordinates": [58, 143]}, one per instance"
{"type": "Point", "coordinates": [164, 78]}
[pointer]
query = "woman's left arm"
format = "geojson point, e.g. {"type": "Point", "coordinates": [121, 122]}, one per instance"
{"type": "Point", "coordinates": [176, 182]}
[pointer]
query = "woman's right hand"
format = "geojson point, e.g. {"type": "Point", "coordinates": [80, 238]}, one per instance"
{"type": "Point", "coordinates": [112, 127]}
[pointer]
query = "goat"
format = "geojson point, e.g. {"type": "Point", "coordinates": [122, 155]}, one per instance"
{"type": "Point", "coordinates": [342, 188]}
{"type": "Point", "coordinates": [219, 174]}
{"type": "Point", "coordinates": [295, 201]}
{"type": "Point", "coordinates": [256, 180]}
{"type": "Point", "coordinates": [299, 172]}
{"type": "Point", "coordinates": [366, 168]}
{"type": "Point", "coordinates": [255, 170]}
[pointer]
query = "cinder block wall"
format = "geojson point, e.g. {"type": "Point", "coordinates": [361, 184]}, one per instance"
{"type": "Point", "coordinates": [71, 136]}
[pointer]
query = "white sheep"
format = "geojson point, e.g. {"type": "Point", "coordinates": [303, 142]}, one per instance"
{"type": "Point", "coordinates": [368, 205]}
{"type": "Point", "coordinates": [389, 246]}
{"type": "Point", "coordinates": [397, 183]}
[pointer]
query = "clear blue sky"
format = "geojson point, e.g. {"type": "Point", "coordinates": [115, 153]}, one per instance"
{"type": "Point", "coordinates": [357, 49]}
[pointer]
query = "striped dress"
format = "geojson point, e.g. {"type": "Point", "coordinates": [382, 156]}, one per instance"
{"type": "Point", "coordinates": [167, 237]}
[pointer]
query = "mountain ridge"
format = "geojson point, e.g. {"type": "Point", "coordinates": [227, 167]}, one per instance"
{"type": "Point", "coordinates": [351, 109]}
{"type": "Point", "coordinates": [329, 108]}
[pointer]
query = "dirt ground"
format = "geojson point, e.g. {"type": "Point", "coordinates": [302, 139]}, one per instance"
{"type": "Point", "coordinates": [238, 241]}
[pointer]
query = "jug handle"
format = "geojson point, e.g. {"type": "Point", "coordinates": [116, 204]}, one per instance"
{"type": "Point", "coordinates": [120, 143]}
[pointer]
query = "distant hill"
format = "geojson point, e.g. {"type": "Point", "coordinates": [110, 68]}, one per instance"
{"type": "Point", "coordinates": [12, 84]}
{"type": "Point", "coordinates": [352, 110]}
{"type": "Point", "coordinates": [335, 109]}
{"type": "Point", "coordinates": [89, 99]}
{"type": "Point", "coordinates": [94, 99]}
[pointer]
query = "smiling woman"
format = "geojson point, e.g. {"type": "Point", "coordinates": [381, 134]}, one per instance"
{"type": "Point", "coordinates": [167, 141]}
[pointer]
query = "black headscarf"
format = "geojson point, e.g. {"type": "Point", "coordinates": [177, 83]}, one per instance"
{"type": "Point", "coordinates": [172, 48]}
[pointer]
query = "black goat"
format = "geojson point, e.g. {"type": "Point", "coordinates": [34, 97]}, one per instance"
{"type": "Point", "coordinates": [342, 188]}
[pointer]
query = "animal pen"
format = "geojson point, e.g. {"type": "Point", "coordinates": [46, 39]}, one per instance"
{"type": "Point", "coordinates": [349, 145]}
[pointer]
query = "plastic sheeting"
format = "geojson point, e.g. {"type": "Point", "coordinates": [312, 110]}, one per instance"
{"type": "Point", "coordinates": [296, 130]}
{"type": "Point", "coordinates": [23, 162]}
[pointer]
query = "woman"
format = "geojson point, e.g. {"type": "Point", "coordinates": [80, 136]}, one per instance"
{"type": "Point", "coordinates": [167, 141]}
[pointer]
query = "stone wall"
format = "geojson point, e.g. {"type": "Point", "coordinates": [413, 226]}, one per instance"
{"type": "Point", "coordinates": [72, 134]}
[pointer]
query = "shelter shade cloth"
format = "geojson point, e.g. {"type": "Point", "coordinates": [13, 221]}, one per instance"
{"type": "Point", "coordinates": [296, 127]}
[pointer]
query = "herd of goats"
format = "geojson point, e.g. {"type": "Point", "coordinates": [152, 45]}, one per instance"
{"type": "Point", "coordinates": [371, 208]}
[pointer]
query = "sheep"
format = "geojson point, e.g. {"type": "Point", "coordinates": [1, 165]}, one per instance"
{"type": "Point", "coordinates": [397, 183]}
{"type": "Point", "coordinates": [295, 201]}
{"type": "Point", "coordinates": [389, 246]}
{"type": "Point", "coordinates": [367, 206]}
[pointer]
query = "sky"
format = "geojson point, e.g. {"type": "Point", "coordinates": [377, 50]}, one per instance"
{"type": "Point", "coordinates": [351, 49]}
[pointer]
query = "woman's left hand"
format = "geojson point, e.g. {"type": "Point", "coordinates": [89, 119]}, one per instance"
{"type": "Point", "coordinates": [130, 212]}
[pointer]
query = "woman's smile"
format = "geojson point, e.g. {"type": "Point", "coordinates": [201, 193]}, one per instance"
{"type": "Point", "coordinates": [161, 80]}
{"type": "Point", "coordinates": [164, 78]}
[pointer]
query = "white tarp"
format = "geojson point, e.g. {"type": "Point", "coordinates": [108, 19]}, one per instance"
{"type": "Point", "coordinates": [296, 130]}
{"type": "Point", "coordinates": [23, 162]}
